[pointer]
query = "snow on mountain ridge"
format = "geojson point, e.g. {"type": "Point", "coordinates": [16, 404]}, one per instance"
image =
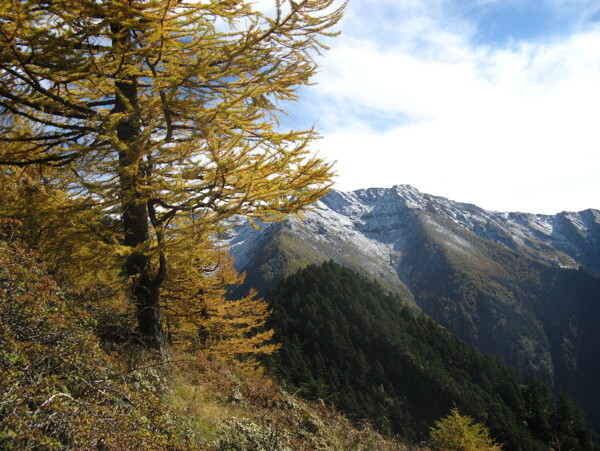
{"type": "Point", "coordinates": [558, 239]}
{"type": "Point", "coordinates": [377, 223]}
{"type": "Point", "coordinates": [338, 222]}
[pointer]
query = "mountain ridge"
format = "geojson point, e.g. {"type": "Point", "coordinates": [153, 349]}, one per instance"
{"type": "Point", "coordinates": [565, 231]}
{"type": "Point", "coordinates": [374, 225]}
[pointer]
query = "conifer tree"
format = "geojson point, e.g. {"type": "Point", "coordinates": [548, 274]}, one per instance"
{"type": "Point", "coordinates": [200, 317]}
{"type": "Point", "coordinates": [459, 432]}
{"type": "Point", "coordinates": [163, 114]}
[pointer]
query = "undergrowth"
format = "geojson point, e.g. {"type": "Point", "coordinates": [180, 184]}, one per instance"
{"type": "Point", "coordinates": [235, 411]}
{"type": "Point", "coordinates": [60, 390]}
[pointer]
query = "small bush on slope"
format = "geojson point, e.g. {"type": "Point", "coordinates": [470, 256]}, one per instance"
{"type": "Point", "coordinates": [459, 432]}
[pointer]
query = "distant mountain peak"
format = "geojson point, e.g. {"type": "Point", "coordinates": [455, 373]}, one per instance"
{"type": "Point", "coordinates": [376, 225]}
{"type": "Point", "coordinates": [565, 239]}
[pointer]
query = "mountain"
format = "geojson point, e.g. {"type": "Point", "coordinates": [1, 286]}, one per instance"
{"type": "Point", "coordinates": [348, 341]}
{"type": "Point", "coordinates": [521, 286]}
{"type": "Point", "coordinates": [370, 231]}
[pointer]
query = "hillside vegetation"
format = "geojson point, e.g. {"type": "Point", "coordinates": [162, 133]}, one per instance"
{"type": "Point", "coordinates": [495, 280]}
{"type": "Point", "coordinates": [62, 387]}
{"type": "Point", "coordinates": [74, 376]}
{"type": "Point", "coordinates": [348, 341]}
{"type": "Point", "coordinates": [60, 390]}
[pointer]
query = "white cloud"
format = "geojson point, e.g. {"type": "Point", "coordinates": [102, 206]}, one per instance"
{"type": "Point", "coordinates": [509, 129]}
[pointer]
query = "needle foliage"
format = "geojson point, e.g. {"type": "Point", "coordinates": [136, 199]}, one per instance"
{"type": "Point", "coordinates": [160, 117]}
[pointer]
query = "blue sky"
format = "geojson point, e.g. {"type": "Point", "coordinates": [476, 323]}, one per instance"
{"type": "Point", "coordinates": [492, 102]}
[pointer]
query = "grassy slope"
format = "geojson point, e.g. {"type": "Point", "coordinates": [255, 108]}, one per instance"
{"type": "Point", "coordinates": [285, 252]}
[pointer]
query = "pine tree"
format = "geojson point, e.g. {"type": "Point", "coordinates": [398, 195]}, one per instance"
{"type": "Point", "coordinates": [162, 114]}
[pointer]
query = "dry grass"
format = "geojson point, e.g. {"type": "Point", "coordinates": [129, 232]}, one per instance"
{"type": "Point", "coordinates": [234, 411]}
{"type": "Point", "coordinates": [62, 388]}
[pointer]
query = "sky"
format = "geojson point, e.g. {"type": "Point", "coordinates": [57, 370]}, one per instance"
{"type": "Point", "coordinates": [490, 102]}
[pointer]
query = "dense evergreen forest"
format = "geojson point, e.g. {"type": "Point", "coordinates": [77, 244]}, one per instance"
{"type": "Point", "coordinates": [539, 318]}
{"type": "Point", "coordinates": [349, 342]}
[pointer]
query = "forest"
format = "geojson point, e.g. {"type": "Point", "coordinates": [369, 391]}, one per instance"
{"type": "Point", "coordinates": [349, 342]}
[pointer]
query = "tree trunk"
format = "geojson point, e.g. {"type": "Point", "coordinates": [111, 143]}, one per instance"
{"type": "Point", "coordinates": [147, 296]}
{"type": "Point", "coordinates": [146, 284]}
{"type": "Point", "coordinates": [132, 174]}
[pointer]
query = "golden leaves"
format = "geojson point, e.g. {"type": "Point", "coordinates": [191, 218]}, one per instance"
{"type": "Point", "coordinates": [200, 317]}
{"type": "Point", "coordinates": [169, 110]}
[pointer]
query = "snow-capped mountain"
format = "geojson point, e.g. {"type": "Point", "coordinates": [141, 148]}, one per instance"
{"type": "Point", "coordinates": [376, 224]}
{"type": "Point", "coordinates": [522, 286]}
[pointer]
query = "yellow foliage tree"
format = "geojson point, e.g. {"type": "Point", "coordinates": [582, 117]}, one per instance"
{"type": "Point", "coordinates": [459, 432]}
{"type": "Point", "coordinates": [200, 317]}
{"type": "Point", "coordinates": [161, 115]}
{"type": "Point", "coordinates": [80, 244]}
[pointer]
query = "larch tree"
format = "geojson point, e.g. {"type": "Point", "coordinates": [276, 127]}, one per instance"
{"type": "Point", "coordinates": [199, 316]}
{"type": "Point", "coordinates": [162, 115]}
{"type": "Point", "coordinates": [458, 432]}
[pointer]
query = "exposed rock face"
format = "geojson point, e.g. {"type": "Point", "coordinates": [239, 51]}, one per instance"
{"type": "Point", "coordinates": [370, 229]}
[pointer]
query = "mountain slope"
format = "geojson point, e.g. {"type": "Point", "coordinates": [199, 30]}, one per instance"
{"type": "Point", "coordinates": [62, 387]}
{"type": "Point", "coordinates": [374, 226]}
{"type": "Point", "coordinates": [539, 318]}
{"type": "Point", "coordinates": [508, 283]}
{"type": "Point", "coordinates": [350, 342]}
